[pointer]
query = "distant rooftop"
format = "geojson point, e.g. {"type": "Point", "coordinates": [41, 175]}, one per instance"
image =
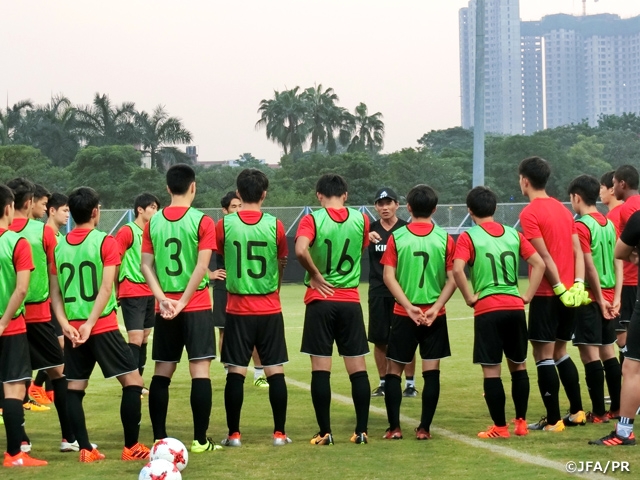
{"type": "Point", "coordinates": [604, 24]}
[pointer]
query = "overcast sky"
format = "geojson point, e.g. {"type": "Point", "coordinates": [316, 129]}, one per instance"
{"type": "Point", "coordinates": [210, 62]}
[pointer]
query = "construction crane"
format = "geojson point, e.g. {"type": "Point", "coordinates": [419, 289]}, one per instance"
{"type": "Point", "coordinates": [584, 7]}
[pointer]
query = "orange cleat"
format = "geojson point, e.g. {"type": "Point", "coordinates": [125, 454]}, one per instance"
{"type": "Point", "coordinates": [39, 394]}
{"type": "Point", "coordinates": [137, 452]}
{"type": "Point", "coordinates": [22, 459]}
{"type": "Point", "coordinates": [495, 432]}
{"type": "Point", "coordinates": [422, 434]}
{"type": "Point", "coordinates": [521, 427]}
{"type": "Point", "coordinates": [90, 456]}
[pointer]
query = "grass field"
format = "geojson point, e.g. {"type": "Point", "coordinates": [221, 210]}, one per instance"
{"type": "Point", "coordinates": [453, 452]}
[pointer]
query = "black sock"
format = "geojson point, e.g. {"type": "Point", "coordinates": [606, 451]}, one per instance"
{"type": "Point", "coordinates": [13, 415]}
{"type": "Point", "coordinates": [594, 376]}
{"type": "Point", "coordinates": [158, 405]}
{"type": "Point", "coordinates": [549, 385]}
{"type": "Point", "coordinates": [520, 392]}
{"type": "Point", "coordinates": [278, 398]}
{"type": "Point", "coordinates": [48, 386]}
{"type": "Point", "coordinates": [131, 413]}
{"type": "Point", "coordinates": [570, 379]}
{"type": "Point", "coordinates": [393, 399]}
{"type": "Point", "coordinates": [201, 399]}
{"type": "Point", "coordinates": [27, 384]}
{"type": "Point", "coordinates": [495, 397]}
{"type": "Point", "coordinates": [360, 393]}
{"type": "Point", "coordinates": [613, 377]}
{"type": "Point", "coordinates": [321, 399]}
{"type": "Point", "coordinates": [135, 352]}
{"type": "Point", "coordinates": [41, 377]}
{"type": "Point", "coordinates": [430, 397]}
{"type": "Point", "coordinates": [76, 415]}
{"type": "Point", "coordinates": [143, 358]}
{"type": "Point", "coordinates": [233, 399]}
{"type": "Point", "coordinates": [61, 403]}
{"type": "Point", "coordinates": [622, 350]}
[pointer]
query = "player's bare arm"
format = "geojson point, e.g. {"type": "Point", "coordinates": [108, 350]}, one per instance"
{"type": "Point", "coordinates": [58, 308]}
{"type": "Point", "coordinates": [104, 293]}
{"type": "Point", "coordinates": [317, 281]}
{"type": "Point", "coordinates": [537, 273]}
{"type": "Point", "coordinates": [579, 269]}
{"type": "Point", "coordinates": [16, 299]}
{"type": "Point", "coordinates": [202, 266]}
{"type": "Point", "coordinates": [625, 252]}
{"type": "Point", "coordinates": [389, 276]}
{"type": "Point", "coordinates": [146, 267]}
{"type": "Point", "coordinates": [460, 278]}
{"type": "Point", "coordinates": [447, 291]}
{"type": "Point", "coordinates": [551, 270]}
{"type": "Point", "coordinates": [594, 285]}
{"type": "Point", "coordinates": [617, 295]}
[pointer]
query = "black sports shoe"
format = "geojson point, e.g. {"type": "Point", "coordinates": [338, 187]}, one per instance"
{"type": "Point", "coordinates": [410, 391]}
{"type": "Point", "coordinates": [614, 440]}
{"type": "Point", "coordinates": [539, 425]}
{"type": "Point", "coordinates": [378, 391]}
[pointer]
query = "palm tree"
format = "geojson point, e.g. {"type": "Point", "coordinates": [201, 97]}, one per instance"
{"type": "Point", "coordinates": [11, 118]}
{"type": "Point", "coordinates": [320, 106]}
{"type": "Point", "coordinates": [283, 116]}
{"type": "Point", "coordinates": [368, 130]}
{"type": "Point", "coordinates": [105, 124]}
{"type": "Point", "coordinates": [157, 132]}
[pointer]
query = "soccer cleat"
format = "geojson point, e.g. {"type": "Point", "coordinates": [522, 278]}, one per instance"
{"type": "Point", "coordinates": [614, 440]}
{"type": "Point", "coordinates": [613, 415]}
{"type": "Point", "coordinates": [232, 440]}
{"type": "Point", "coordinates": [72, 446]}
{"type": "Point", "coordinates": [261, 382]}
{"type": "Point", "coordinates": [326, 439]}
{"type": "Point", "coordinates": [378, 391]}
{"type": "Point", "coordinates": [410, 391]}
{"type": "Point", "coordinates": [422, 434]}
{"type": "Point", "coordinates": [556, 427]}
{"type": "Point", "coordinates": [593, 418]}
{"type": "Point", "coordinates": [39, 394]}
{"type": "Point", "coordinates": [360, 438]}
{"type": "Point", "coordinates": [145, 391]}
{"type": "Point", "coordinates": [573, 419]}
{"type": "Point", "coordinates": [521, 427]}
{"type": "Point", "coordinates": [22, 459]}
{"type": "Point", "coordinates": [197, 447]}
{"type": "Point", "coordinates": [495, 432]}
{"type": "Point", "coordinates": [539, 425]}
{"type": "Point", "coordinates": [395, 434]}
{"type": "Point", "coordinates": [35, 406]}
{"type": "Point", "coordinates": [50, 395]}
{"type": "Point", "coordinates": [137, 452]}
{"type": "Point", "coordinates": [280, 439]}
{"type": "Point", "coordinates": [25, 447]}
{"type": "Point", "coordinates": [90, 456]}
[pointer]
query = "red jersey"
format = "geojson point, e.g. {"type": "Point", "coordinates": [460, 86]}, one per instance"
{"type": "Point", "coordinates": [628, 208]}
{"type": "Point", "coordinates": [127, 288]}
{"type": "Point", "coordinates": [22, 260]}
{"type": "Point", "coordinates": [390, 258]}
{"type": "Point", "coordinates": [307, 228]}
{"type": "Point", "coordinates": [466, 251]}
{"type": "Point", "coordinates": [584, 234]}
{"type": "Point", "coordinates": [550, 220]}
{"type": "Point", "coordinates": [630, 272]}
{"type": "Point", "coordinates": [200, 300]}
{"type": "Point", "coordinates": [110, 255]}
{"type": "Point", "coordinates": [254, 304]}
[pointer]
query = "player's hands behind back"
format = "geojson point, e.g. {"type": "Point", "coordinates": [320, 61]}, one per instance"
{"type": "Point", "coordinates": [318, 283]}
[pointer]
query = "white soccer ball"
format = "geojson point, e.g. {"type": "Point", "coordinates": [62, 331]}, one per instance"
{"type": "Point", "coordinates": [172, 450]}
{"type": "Point", "coordinates": [160, 470]}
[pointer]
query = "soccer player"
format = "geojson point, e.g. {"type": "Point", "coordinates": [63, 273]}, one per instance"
{"type": "Point", "coordinates": [549, 226]}
{"type": "Point", "coordinates": [625, 188]}
{"type": "Point", "coordinates": [44, 349]}
{"type": "Point", "coordinates": [251, 243]}
{"type": "Point", "coordinates": [136, 299]}
{"type": "Point", "coordinates": [381, 301]}
{"type": "Point", "coordinates": [329, 245]}
{"type": "Point", "coordinates": [15, 367]}
{"type": "Point", "coordinates": [492, 250]}
{"type": "Point", "coordinates": [83, 297]}
{"type": "Point", "coordinates": [178, 242]}
{"type": "Point", "coordinates": [58, 212]}
{"type": "Point", "coordinates": [623, 434]}
{"type": "Point", "coordinates": [594, 333]}
{"type": "Point", "coordinates": [417, 271]}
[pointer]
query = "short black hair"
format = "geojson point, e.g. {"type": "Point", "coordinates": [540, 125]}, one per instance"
{"type": "Point", "coordinates": [82, 201]}
{"type": "Point", "coordinates": [143, 201]}
{"type": "Point", "coordinates": [331, 185]}
{"type": "Point", "coordinates": [587, 186]}
{"type": "Point", "coordinates": [179, 178]}
{"type": "Point", "coordinates": [251, 183]}
{"type": "Point", "coordinates": [629, 175]}
{"type": "Point", "coordinates": [536, 170]}
{"type": "Point", "coordinates": [607, 179]}
{"type": "Point", "coordinates": [6, 197]}
{"type": "Point", "coordinates": [482, 202]}
{"type": "Point", "coordinates": [56, 201]}
{"type": "Point", "coordinates": [226, 200]}
{"type": "Point", "coordinates": [41, 192]}
{"type": "Point", "coordinates": [423, 201]}
{"type": "Point", "coordinates": [23, 191]}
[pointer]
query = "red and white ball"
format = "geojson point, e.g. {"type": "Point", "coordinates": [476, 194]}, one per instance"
{"type": "Point", "coordinates": [172, 450]}
{"type": "Point", "coordinates": [160, 470]}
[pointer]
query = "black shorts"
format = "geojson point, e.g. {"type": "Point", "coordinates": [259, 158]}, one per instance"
{"type": "Point", "coordinates": [405, 337]}
{"type": "Point", "coordinates": [627, 302]}
{"type": "Point", "coordinates": [633, 335]}
{"type": "Point", "coordinates": [497, 332]}
{"type": "Point", "coordinates": [380, 318]}
{"type": "Point", "coordinates": [326, 321]}
{"type": "Point", "coordinates": [550, 320]}
{"type": "Point", "coordinates": [109, 349]}
{"type": "Point", "coordinates": [44, 348]}
{"type": "Point", "coordinates": [193, 330]}
{"type": "Point", "coordinates": [138, 313]}
{"type": "Point", "coordinates": [15, 365]}
{"type": "Point", "coordinates": [264, 332]}
{"type": "Point", "coordinates": [56, 324]}
{"type": "Point", "coordinates": [591, 328]}
{"type": "Point", "coordinates": [219, 307]}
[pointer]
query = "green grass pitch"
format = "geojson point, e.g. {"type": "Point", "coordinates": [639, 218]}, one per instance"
{"type": "Point", "coordinates": [461, 411]}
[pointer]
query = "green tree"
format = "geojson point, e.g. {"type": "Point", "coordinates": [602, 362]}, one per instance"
{"type": "Point", "coordinates": [10, 120]}
{"type": "Point", "coordinates": [456, 138]}
{"type": "Point", "coordinates": [325, 119]}
{"type": "Point", "coordinates": [29, 162]}
{"type": "Point", "coordinates": [103, 123]}
{"type": "Point", "coordinates": [157, 132]}
{"type": "Point", "coordinates": [367, 130]}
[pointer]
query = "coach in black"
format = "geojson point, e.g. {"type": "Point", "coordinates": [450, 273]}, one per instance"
{"type": "Point", "coordinates": [380, 299]}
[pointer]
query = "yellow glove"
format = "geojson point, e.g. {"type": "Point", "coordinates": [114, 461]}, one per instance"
{"type": "Point", "coordinates": [580, 294]}
{"type": "Point", "coordinates": [567, 297]}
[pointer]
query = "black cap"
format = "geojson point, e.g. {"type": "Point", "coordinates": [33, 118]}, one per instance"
{"type": "Point", "coordinates": [386, 193]}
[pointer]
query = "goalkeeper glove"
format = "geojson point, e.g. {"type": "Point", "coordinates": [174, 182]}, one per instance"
{"type": "Point", "coordinates": [580, 294]}
{"type": "Point", "coordinates": [567, 297]}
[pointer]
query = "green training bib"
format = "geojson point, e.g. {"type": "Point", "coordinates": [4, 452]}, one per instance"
{"type": "Point", "coordinates": [38, 291]}
{"type": "Point", "coordinates": [8, 275]}
{"type": "Point", "coordinates": [130, 267]}
{"type": "Point", "coordinates": [603, 242]}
